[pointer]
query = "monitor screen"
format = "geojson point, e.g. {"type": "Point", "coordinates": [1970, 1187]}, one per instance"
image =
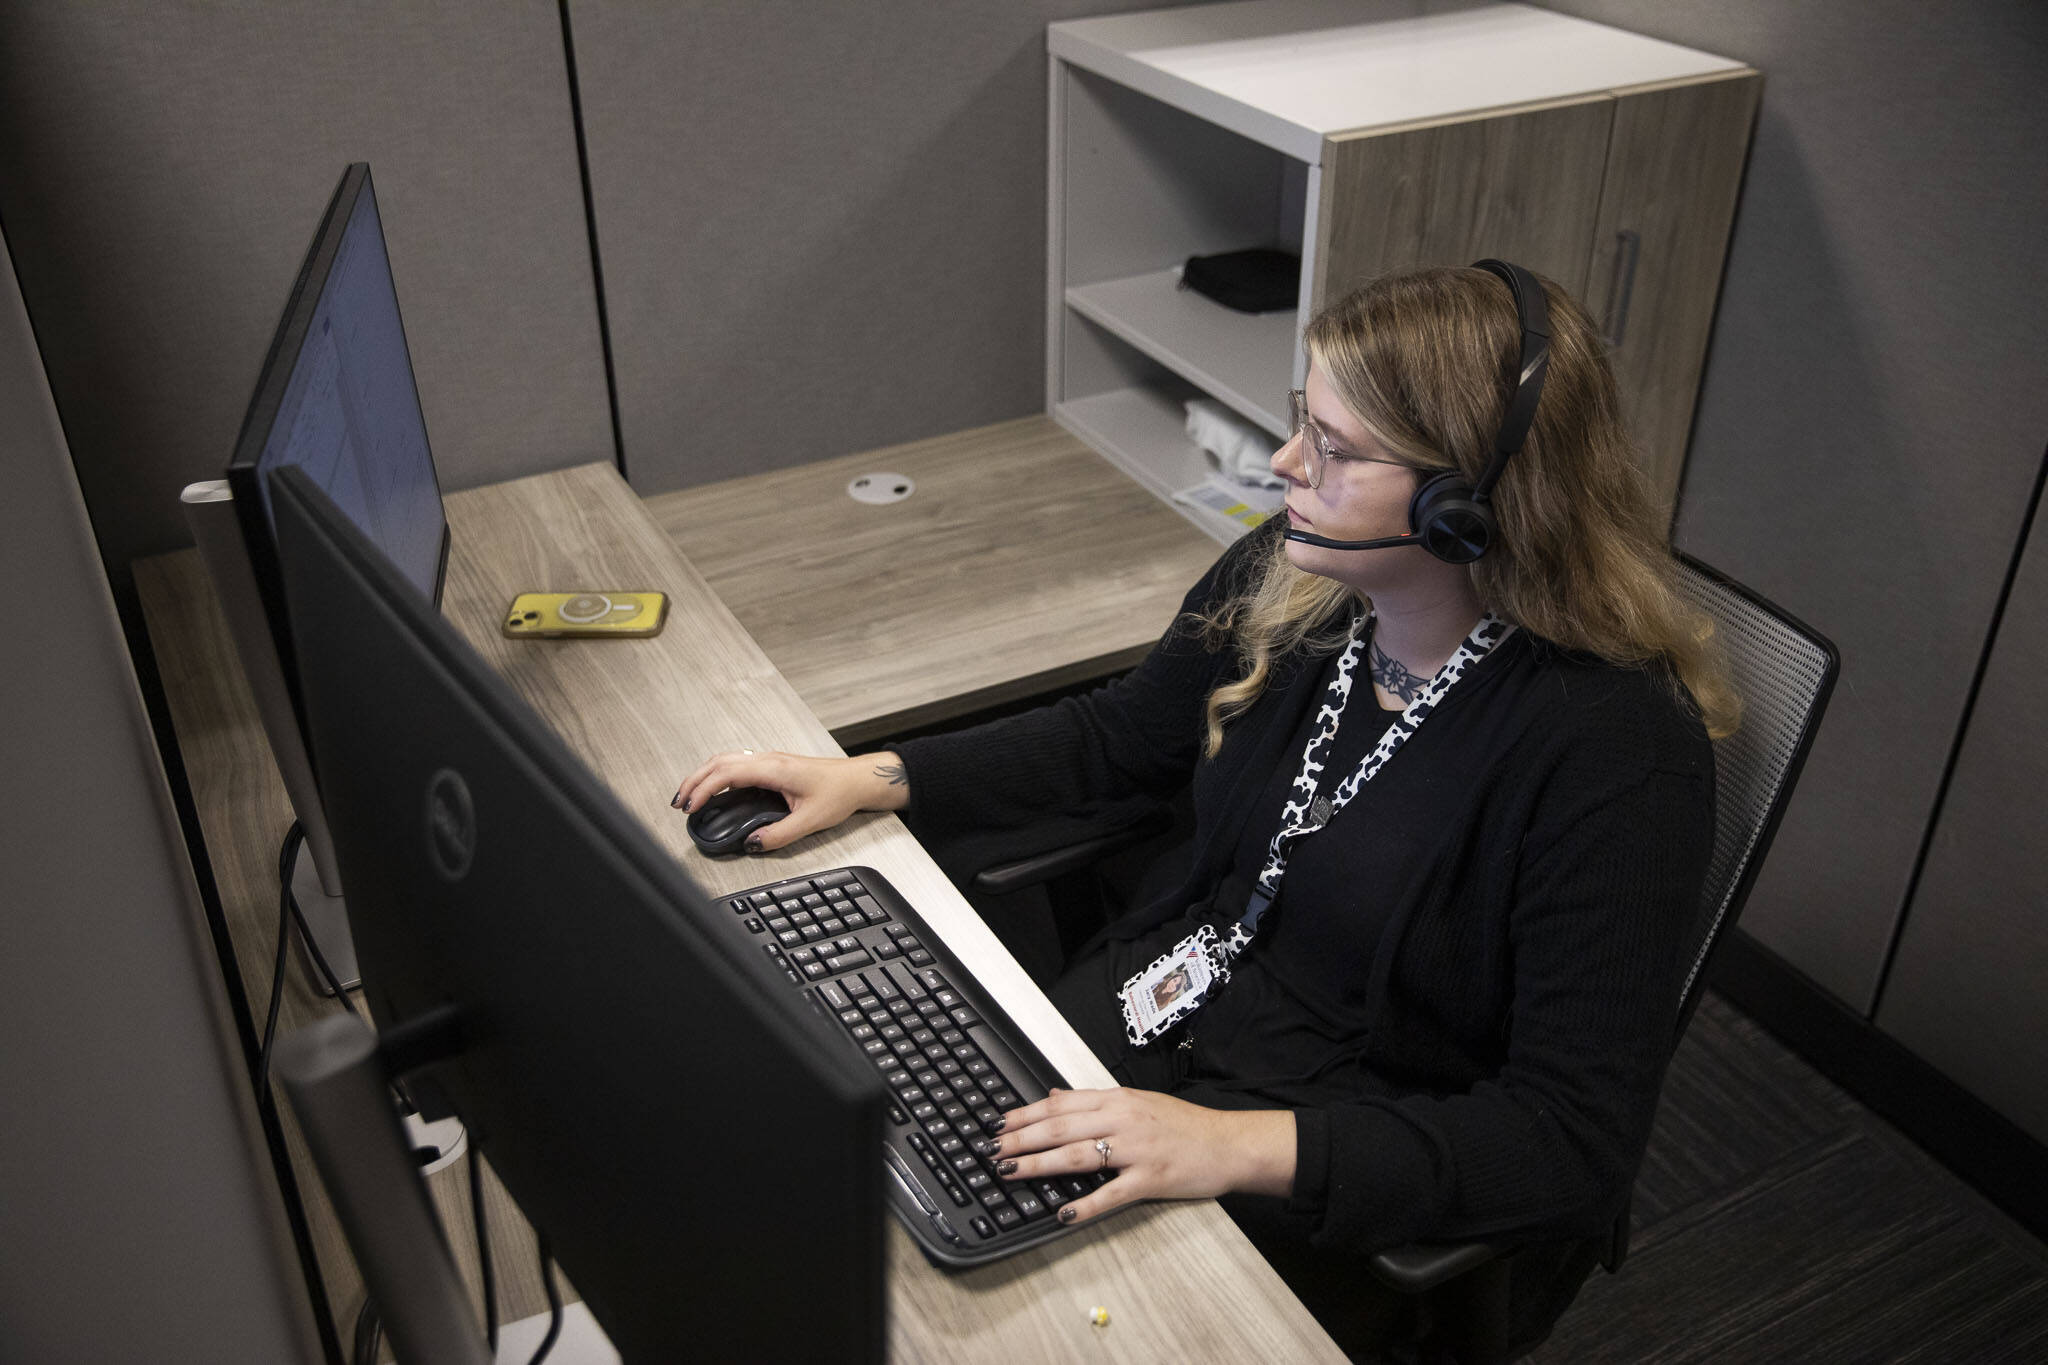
{"type": "Point", "coordinates": [336, 398]}
{"type": "Point", "coordinates": [699, 1148]}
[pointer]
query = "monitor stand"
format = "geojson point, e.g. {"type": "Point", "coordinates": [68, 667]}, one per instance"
{"type": "Point", "coordinates": [339, 1085]}
{"type": "Point", "coordinates": [326, 919]}
{"type": "Point", "coordinates": [210, 511]}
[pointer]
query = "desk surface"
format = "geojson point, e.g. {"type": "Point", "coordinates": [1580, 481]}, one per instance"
{"type": "Point", "coordinates": [1023, 562]}
{"type": "Point", "coordinates": [640, 713]}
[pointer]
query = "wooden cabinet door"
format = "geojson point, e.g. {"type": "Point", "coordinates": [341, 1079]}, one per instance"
{"type": "Point", "coordinates": [1673, 171]}
{"type": "Point", "coordinates": [1520, 184]}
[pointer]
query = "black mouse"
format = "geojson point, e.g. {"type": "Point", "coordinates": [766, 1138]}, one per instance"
{"type": "Point", "coordinates": [721, 825]}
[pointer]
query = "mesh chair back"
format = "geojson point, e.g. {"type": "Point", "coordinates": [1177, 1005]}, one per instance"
{"type": "Point", "coordinates": [1784, 671]}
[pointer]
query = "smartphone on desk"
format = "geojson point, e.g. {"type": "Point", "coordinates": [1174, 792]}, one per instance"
{"type": "Point", "coordinates": [559, 615]}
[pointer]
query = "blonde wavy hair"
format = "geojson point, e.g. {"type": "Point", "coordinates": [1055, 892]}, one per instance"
{"type": "Point", "coordinates": [1426, 359]}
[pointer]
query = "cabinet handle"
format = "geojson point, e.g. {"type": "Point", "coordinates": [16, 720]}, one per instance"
{"type": "Point", "coordinates": [1628, 247]}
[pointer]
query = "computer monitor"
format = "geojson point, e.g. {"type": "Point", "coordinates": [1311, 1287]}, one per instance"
{"type": "Point", "coordinates": [336, 398]}
{"type": "Point", "coordinates": [698, 1147]}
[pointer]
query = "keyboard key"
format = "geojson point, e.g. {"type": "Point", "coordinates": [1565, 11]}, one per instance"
{"type": "Point", "coordinates": [802, 955]}
{"type": "Point", "coordinates": [928, 1077]}
{"type": "Point", "coordinates": [924, 1111]}
{"type": "Point", "coordinates": [948, 999]}
{"type": "Point", "coordinates": [846, 944]}
{"type": "Point", "coordinates": [950, 1145]}
{"type": "Point", "coordinates": [794, 979]}
{"type": "Point", "coordinates": [832, 924]}
{"type": "Point", "coordinates": [839, 877]}
{"type": "Point", "coordinates": [810, 933]}
{"type": "Point", "coordinates": [791, 938]}
{"type": "Point", "coordinates": [848, 961]}
{"type": "Point", "coordinates": [863, 1031]}
{"type": "Point", "coordinates": [853, 919]}
{"type": "Point", "coordinates": [761, 900]}
{"type": "Point", "coordinates": [885, 991]}
{"type": "Point", "coordinates": [887, 949]}
{"type": "Point", "coordinates": [965, 1017]}
{"type": "Point", "coordinates": [868, 906]}
{"type": "Point", "coordinates": [813, 901]}
{"type": "Point", "coordinates": [958, 1195]}
{"type": "Point", "coordinates": [947, 1066]}
{"type": "Point", "coordinates": [919, 958]}
{"type": "Point", "coordinates": [898, 930]}
{"type": "Point", "coordinates": [1004, 1099]}
{"type": "Point", "coordinates": [1028, 1203]}
{"type": "Point", "coordinates": [816, 970]}
{"type": "Point", "coordinates": [755, 926]}
{"type": "Point", "coordinates": [985, 1228]}
{"type": "Point", "coordinates": [953, 1110]}
{"type": "Point", "coordinates": [924, 1037]}
{"type": "Point", "coordinates": [1008, 1217]}
{"type": "Point", "coordinates": [963, 1162]}
{"type": "Point", "coordinates": [978, 1179]}
{"type": "Point", "coordinates": [979, 1067]}
{"type": "Point", "coordinates": [897, 1116]}
{"type": "Point", "coordinates": [801, 918]}
{"type": "Point", "coordinates": [1051, 1193]}
{"type": "Point", "coordinates": [932, 981]}
{"type": "Point", "coordinates": [892, 1032]}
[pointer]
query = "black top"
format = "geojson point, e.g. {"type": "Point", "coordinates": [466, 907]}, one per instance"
{"type": "Point", "coordinates": [1468, 990]}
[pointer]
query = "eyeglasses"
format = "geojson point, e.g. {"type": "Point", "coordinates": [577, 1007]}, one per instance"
{"type": "Point", "coordinates": [1317, 449]}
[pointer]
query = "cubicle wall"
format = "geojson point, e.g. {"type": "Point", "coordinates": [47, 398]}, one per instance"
{"type": "Point", "coordinates": [141, 1218]}
{"type": "Point", "coordinates": [1872, 420]}
{"type": "Point", "coordinates": [163, 166]}
{"type": "Point", "coordinates": [1968, 989]}
{"type": "Point", "coordinates": [822, 225]}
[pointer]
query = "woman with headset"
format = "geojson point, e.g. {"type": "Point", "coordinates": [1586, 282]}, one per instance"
{"type": "Point", "coordinates": [1445, 724]}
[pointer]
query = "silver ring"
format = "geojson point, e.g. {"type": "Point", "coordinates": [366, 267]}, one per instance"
{"type": "Point", "coordinates": [1102, 1146]}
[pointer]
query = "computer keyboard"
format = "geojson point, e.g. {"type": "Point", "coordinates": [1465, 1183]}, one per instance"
{"type": "Point", "coordinates": [951, 1061]}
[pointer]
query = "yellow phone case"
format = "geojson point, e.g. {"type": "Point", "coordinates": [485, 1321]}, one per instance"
{"type": "Point", "coordinates": [558, 615]}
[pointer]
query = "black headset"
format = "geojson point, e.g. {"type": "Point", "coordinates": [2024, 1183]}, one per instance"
{"type": "Point", "coordinates": [1448, 517]}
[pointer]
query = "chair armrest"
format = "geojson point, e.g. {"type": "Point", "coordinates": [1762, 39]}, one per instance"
{"type": "Point", "coordinates": [1421, 1266]}
{"type": "Point", "coordinates": [1004, 878]}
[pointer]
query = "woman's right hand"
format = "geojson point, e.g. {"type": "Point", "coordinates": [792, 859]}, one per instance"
{"type": "Point", "coordinates": [821, 791]}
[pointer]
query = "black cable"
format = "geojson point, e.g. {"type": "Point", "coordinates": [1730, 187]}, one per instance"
{"type": "Point", "coordinates": [327, 973]}
{"type": "Point", "coordinates": [286, 856]}
{"type": "Point", "coordinates": [547, 1280]}
{"type": "Point", "coordinates": [369, 1334]}
{"type": "Point", "coordinates": [483, 1244]}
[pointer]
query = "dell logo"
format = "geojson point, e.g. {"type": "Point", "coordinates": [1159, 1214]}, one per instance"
{"type": "Point", "coordinates": [451, 825]}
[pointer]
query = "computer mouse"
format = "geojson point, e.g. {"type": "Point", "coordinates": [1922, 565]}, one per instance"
{"type": "Point", "coordinates": [721, 825]}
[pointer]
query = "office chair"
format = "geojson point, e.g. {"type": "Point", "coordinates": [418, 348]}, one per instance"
{"type": "Point", "coordinates": [1784, 671]}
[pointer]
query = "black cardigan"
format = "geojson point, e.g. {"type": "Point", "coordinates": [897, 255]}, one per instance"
{"type": "Point", "coordinates": [1549, 830]}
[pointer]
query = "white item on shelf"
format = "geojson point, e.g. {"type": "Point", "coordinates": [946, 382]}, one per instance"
{"type": "Point", "coordinates": [1230, 507]}
{"type": "Point", "coordinates": [1245, 451]}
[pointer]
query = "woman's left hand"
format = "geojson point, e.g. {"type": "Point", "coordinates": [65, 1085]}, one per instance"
{"type": "Point", "coordinates": [1160, 1147]}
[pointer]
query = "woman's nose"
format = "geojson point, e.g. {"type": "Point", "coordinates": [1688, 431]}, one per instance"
{"type": "Point", "coordinates": [1287, 461]}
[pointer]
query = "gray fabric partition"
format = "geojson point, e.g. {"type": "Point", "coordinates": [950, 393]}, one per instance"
{"type": "Point", "coordinates": [1965, 992]}
{"type": "Point", "coordinates": [142, 1218]}
{"type": "Point", "coordinates": [822, 226]}
{"type": "Point", "coordinates": [1873, 413]}
{"type": "Point", "coordinates": [163, 166]}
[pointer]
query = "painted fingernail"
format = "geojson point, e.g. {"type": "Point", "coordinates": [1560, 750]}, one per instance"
{"type": "Point", "coordinates": [677, 799]}
{"type": "Point", "coordinates": [1069, 1214]}
{"type": "Point", "coordinates": [1006, 1168]}
{"type": "Point", "coordinates": [753, 843]}
{"type": "Point", "coordinates": [986, 1147]}
{"type": "Point", "coordinates": [998, 1125]}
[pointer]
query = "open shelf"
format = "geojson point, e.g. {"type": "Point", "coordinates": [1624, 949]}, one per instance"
{"type": "Point", "coordinates": [1143, 431]}
{"type": "Point", "coordinates": [1244, 359]}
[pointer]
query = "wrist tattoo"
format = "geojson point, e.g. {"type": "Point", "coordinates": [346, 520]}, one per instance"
{"type": "Point", "coordinates": [895, 773]}
{"type": "Point", "coordinates": [1390, 674]}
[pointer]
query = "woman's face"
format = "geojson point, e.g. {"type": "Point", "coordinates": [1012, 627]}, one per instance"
{"type": "Point", "coordinates": [1363, 497]}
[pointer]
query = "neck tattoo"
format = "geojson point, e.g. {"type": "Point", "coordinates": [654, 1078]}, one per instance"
{"type": "Point", "coordinates": [1393, 676]}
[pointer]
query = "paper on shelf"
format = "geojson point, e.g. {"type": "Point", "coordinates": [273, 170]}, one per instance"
{"type": "Point", "coordinates": [1231, 505]}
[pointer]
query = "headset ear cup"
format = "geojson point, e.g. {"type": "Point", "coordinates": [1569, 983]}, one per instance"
{"type": "Point", "coordinates": [1453, 527]}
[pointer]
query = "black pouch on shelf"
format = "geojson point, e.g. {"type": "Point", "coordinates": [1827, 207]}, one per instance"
{"type": "Point", "coordinates": [1257, 280]}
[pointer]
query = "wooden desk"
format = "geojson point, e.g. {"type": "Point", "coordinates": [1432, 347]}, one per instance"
{"type": "Point", "coordinates": [1177, 1278]}
{"type": "Point", "coordinates": [1023, 562]}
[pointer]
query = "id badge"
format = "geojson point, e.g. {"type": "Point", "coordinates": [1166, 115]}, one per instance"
{"type": "Point", "coordinates": [1173, 986]}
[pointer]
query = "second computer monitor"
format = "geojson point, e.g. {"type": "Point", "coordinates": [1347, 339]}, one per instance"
{"type": "Point", "coordinates": [702, 1153]}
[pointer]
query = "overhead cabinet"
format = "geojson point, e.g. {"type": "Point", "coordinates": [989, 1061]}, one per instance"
{"type": "Point", "coordinates": [1367, 137]}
